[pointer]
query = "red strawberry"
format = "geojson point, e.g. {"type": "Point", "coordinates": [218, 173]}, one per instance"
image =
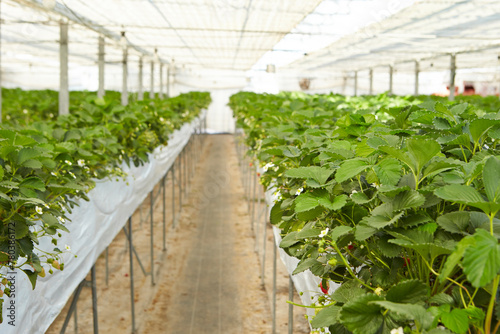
{"type": "Point", "coordinates": [407, 261]}
{"type": "Point", "coordinates": [324, 289]}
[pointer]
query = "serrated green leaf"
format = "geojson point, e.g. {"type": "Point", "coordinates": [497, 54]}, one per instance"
{"type": "Point", "coordinates": [326, 317]}
{"type": "Point", "coordinates": [407, 200]}
{"type": "Point", "coordinates": [410, 291]}
{"type": "Point", "coordinates": [305, 202]}
{"type": "Point", "coordinates": [339, 231]}
{"type": "Point", "coordinates": [454, 222]}
{"type": "Point", "coordinates": [441, 298]}
{"type": "Point", "coordinates": [33, 182]}
{"type": "Point", "coordinates": [479, 127]}
{"type": "Point", "coordinates": [364, 231]}
{"type": "Point", "coordinates": [491, 179]}
{"type": "Point", "coordinates": [32, 276]}
{"type": "Point", "coordinates": [407, 311]}
{"type": "Point", "coordinates": [350, 169]}
{"type": "Point", "coordinates": [457, 320]}
{"type": "Point", "coordinates": [305, 264]}
{"type": "Point", "coordinates": [319, 174]}
{"type": "Point", "coordinates": [348, 291]}
{"type": "Point", "coordinates": [482, 259]}
{"type": "Point", "coordinates": [361, 315]}
{"type": "Point", "coordinates": [454, 258]}
{"type": "Point", "coordinates": [388, 171]}
{"type": "Point", "coordinates": [379, 222]}
{"type": "Point", "coordinates": [459, 193]}
{"type": "Point", "coordinates": [422, 151]}
{"type": "Point", "coordinates": [289, 240]}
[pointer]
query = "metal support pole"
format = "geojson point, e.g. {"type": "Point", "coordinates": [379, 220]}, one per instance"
{"type": "Point", "coordinates": [254, 185]}
{"type": "Point", "coordinates": [107, 265]}
{"type": "Point", "coordinates": [100, 90]}
{"type": "Point", "coordinates": [132, 294]}
{"type": "Point", "coordinates": [151, 207]}
{"type": "Point", "coordinates": [63, 74]}
{"type": "Point", "coordinates": [184, 172]}
{"type": "Point", "coordinates": [264, 251]}
{"type": "Point", "coordinates": [164, 212]}
{"type": "Point", "coordinates": [356, 83]}
{"type": "Point", "coordinates": [274, 286]}
{"type": "Point", "coordinates": [72, 306]}
{"type": "Point", "coordinates": [370, 74]}
{"type": "Point", "coordinates": [124, 77]}
{"type": "Point", "coordinates": [173, 195]}
{"type": "Point", "coordinates": [453, 72]}
{"type": "Point", "coordinates": [140, 93]}
{"type": "Point", "coordinates": [179, 181]}
{"type": "Point", "coordinates": [391, 74]}
{"type": "Point", "coordinates": [290, 306]}
{"type": "Point", "coordinates": [94, 301]}
{"type": "Point", "coordinates": [168, 81]}
{"type": "Point", "coordinates": [152, 83]}
{"type": "Point", "coordinates": [161, 82]}
{"type": "Point", "coordinates": [417, 74]}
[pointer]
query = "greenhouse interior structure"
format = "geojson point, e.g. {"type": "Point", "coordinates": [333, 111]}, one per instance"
{"type": "Point", "coordinates": [250, 166]}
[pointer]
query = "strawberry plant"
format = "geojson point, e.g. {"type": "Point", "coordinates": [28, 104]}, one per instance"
{"type": "Point", "coordinates": [396, 199]}
{"type": "Point", "coordinates": [47, 166]}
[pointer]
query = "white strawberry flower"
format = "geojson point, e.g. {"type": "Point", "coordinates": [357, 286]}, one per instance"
{"type": "Point", "coordinates": [397, 331]}
{"type": "Point", "coordinates": [68, 162]}
{"type": "Point", "coordinates": [299, 191]}
{"type": "Point", "coordinates": [67, 248]}
{"type": "Point", "coordinates": [38, 210]}
{"type": "Point", "coordinates": [72, 175]}
{"type": "Point", "coordinates": [267, 166]}
{"type": "Point", "coordinates": [81, 162]}
{"type": "Point", "coordinates": [324, 232]}
{"type": "Point", "coordinates": [61, 219]}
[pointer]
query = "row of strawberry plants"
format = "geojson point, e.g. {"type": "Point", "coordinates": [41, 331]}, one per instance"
{"type": "Point", "coordinates": [47, 166]}
{"type": "Point", "coordinates": [395, 199]}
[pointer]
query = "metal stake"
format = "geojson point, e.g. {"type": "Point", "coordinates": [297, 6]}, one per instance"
{"type": "Point", "coordinates": [107, 266]}
{"type": "Point", "coordinates": [72, 307]}
{"type": "Point", "coordinates": [94, 301]}
{"type": "Point", "coordinates": [164, 212]}
{"type": "Point", "coordinates": [173, 195]}
{"type": "Point", "coordinates": [151, 207]}
{"type": "Point", "coordinates": [132, 297]}
{"type": "Point", "coordinates": [264, 252]}
{"type": "Point", "coordinates": [274, 287]}
{"type": "Point", "coordinates": [290, 306]}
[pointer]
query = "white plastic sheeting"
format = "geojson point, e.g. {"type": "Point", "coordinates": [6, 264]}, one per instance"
{"type": "Point", "coordinates": [94, 224]}
{"type": "Point", "coordinates": [306, 284]}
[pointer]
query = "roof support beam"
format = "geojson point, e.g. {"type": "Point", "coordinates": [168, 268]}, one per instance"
{"type": "Point", "coordinates": [63, 69]}
{"type": "Point", "coordinates": [391, 74]}
{"type": "Point", "coordinates": [100, 90]}
{"type": "Point", "coordinates": [124, 77]}
{"type": "Point", "coordinates": [168, 81]}
{"type": "Point", "coordinates": [152, 83]}
{"type": "Point", "coordinates": [160, 93]}
{"type": "Point", "coordinates": [71, 16]}
{"type": "Point", "coordinates": [453, 72]}
{"type": "Point", "coordinates": [140, 94]}
{"type": "Point", "coordinates": [417, 74]}
{"type": "Point", "coordinates": [355, 83]}
{"type": "Point", "coordinates": [370, 75]}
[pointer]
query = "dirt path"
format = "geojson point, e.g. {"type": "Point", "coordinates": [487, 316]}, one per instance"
{"type": "Point", "coordinates": [208, 280]}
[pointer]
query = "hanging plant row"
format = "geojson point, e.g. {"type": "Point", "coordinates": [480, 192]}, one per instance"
{"type": "Point", "coordinates": [396, 199]}
{"type": "Point", "coordinates": [48, 164]}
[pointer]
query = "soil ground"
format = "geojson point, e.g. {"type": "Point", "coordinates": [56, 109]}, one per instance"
{"type": "Point", "coordinates": [208, 280]}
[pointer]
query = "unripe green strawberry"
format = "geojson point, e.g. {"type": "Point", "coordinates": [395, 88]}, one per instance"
{"type": "Point", "coordinates": [333, 262]}
{"type": "Point", "coordinates": [42, 273]}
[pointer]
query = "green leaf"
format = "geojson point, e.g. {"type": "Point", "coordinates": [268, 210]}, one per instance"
{"type": "Point", "coordinates": [361, 315]}
{"type": "Point", "coordinates": [32, 276]}
{"type": "Point", "coordinates": [26, 154]}
{"type": "Point", "coordinates": [316, 173]}
{"type": "Point", "coordinates": [289, 240]}
{"type": "Point", "coordinates": [401, 156]}
{"type": "Point", "coordinates": [326, 317]}
{"type": "Point", "coordinates": [305, 202]}
{"type": "Point", "coordinates": [422, 151]}
{"type": "Point", "coordinates": [407, 311]}
{"type": "Point", "coordinates": [491, 179]}
{"type": "Point", "coordinates": [482, 259]}
{"type": "Point", "coordinates": [441, 298]}
{"type": "Point", "coordinates": [350, 169]}
{"type": "Point", "coordinates": [407, 200]}
{"type": "Point", "coordinates": [35, 164]}
{"type": "Point", "coordinates": [459, 194]}
{"type": "Point", "coordinates": [339, 231]}
{"type": "Point", "coordinates": [457, 320]}
{"type": "Point", "coordinates": [455, 257]}
{"type": "Point", "coordinates": [379, 222]}
{"type": "Point", "coordinates": [338, 203]}
{"type": "Point", "coordinates": [479, 127]}
{"type": "Point", "coordinates": [364, 231]}
{"type": "Point", "coordinates": [436, 167]}
{"type": "Point", "coordinates": [304, 265]}
{"type": "Point", "coordinates": [410, 291]}
{"type": "Point", "coordinates": [33, 182]}
{"type": "Point", "coordinates": [454, 222]}
{"type": "Point", "coordinates": [388, 171]}
{"type": "Point", "coordinates": [276, 213]}
{"type": "Point", "coordinates": [349, 290]}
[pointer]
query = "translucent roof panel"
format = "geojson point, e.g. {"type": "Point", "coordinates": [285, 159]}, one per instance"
{"type": "Point", "coordinates": [426, 31]}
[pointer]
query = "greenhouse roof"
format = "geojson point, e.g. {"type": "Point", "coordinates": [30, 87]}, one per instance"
{"type": "Point", "coordinates": [297, 36]}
